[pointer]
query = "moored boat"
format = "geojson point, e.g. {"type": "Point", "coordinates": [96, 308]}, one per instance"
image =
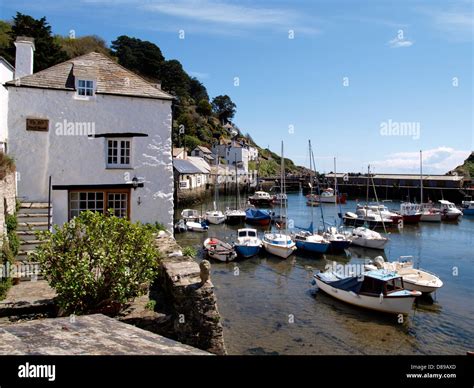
{"type": "Point", "coordinates": [197, 226]}
{"type": "Point", "coordinates": [413, 278]}
{"type": "Point", "coordinates": [180, 226]}
{"type": "Point", "coordinates": [378, 290]}
{"type": "Point", "coordinates": [257, 217]}
{"type": "Point", "coordinates": [410, 213]}
{"type": "Point", "coordinates": [261, 198]}
{"type": "Point", "coordinates": [468, 208]}
{"type": "Point", "coordinates": [367, 238]}
{"type": "Point", "coordinates": [279, 244]}
{"type": "Point", "coordinates": [248, 244]}
{"type": "Point", "coordinates": [190, 215]}
{"type": "Point", "coordinates": [338, 241]}
{"type": "Point", "coordinates": [449, 212]}
{"type": "Point", "coordinates": [309, 242]}
{"type": "Point", "coordinates": [234, 216]}
{"type": "Point", "coordinates": [219, 250]}
{"type": "Point", "coordinates": [215, 217]}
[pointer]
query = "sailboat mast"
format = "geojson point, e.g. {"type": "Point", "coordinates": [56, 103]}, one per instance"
{"type": "Point", "coordinates": [335, 192]}
{"type": "Point", "coordinates": [237, 193]}
{"type": "Point", "coordinates": [367, 195]}
{"type": "Point", "coordinates": [282, 188]}
{"type": "Point", "coordinates": [311, 185]}
{"type": "Point", "coordinates": [421, 177]}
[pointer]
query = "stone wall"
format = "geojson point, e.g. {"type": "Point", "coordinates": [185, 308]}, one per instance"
{"type": "Point", "coordinates": [196, 319]}
{"type": "Point", "coordinates": [7, 200]}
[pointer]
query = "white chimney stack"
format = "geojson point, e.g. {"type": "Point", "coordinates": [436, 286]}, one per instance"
{"type": "Point", "coordinates": [25, 48]}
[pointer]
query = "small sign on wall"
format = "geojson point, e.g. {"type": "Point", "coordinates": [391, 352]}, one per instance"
{"type": "Point", "coordinates": [41, 125]}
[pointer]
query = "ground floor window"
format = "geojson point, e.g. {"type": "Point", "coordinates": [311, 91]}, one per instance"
{"type": "Point", "coordinates": [100, 201]}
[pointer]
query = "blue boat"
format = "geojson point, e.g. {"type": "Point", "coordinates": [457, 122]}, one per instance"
{"type": "Point", "coordinates": [306, 240]}
{"type": "Point", "coordinates": [468, 206]}
{"type": "Point", "coordinates": [257, 216]}
{"type": "Point", "coordinates": [248, 244]}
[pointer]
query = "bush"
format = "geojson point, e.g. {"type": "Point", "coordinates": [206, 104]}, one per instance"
{"type": "Point", "coordinates": [97, 262]}
{"type": "Point", "coordinates": [189, 251]}
{"type": "Point", "coordinates": [156, 227]}
{"type": "Point", "coordinates": [13, 240]}
{"type": "Point", "coordinates": [5, 284]}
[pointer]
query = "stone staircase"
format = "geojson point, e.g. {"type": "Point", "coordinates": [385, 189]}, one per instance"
{"type": "Point", "coordinates": [32, 217]}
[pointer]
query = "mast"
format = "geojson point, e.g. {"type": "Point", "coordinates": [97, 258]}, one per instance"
{"type": "Point", "coordinates": [367, 195]}
{"type": "Point", "coordinates": [335, 192]}
{"type": "Point", "coordinates": [236, 185]}
{"type": "Point", "coordinates": [311, 186]}
{"type": "Point", "coordinates": [282, 186]}
{"type": "Point", "coordinates": [318, 188]}
{"type": "Point", "coordinates": [421, 177]}
{"type": "Point", "coordinates": [216, 188]}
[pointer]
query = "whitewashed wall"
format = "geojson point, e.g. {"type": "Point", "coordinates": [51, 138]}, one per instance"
{"type": "Point", "coordinates": [78, 160]}
{"type": "Point", "coordinates": [6, 74]}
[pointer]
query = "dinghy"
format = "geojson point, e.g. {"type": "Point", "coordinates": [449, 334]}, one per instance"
{"type": "Point", "coordinates": [367, 238]}
{"type": "Point", "coordinates": [219, 250]}
{"type": "Point", "coordinates": [378, 290]}
{"type": "Point", "coordinates": [248, 244]}
{"type": "Point", "coordinates": [413, 278]}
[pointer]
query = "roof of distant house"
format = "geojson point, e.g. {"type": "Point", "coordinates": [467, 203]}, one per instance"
{"type": "Point", "coordinates": [204, 149]}
{"type": "Point", "coordinates": [110, 77]}
{"type": "Point", "coordinates": [184, 166]}
{"type": "Point", "coordinates": [200, 163]}
{"type": "Point", "coordinates": [7, 64]}
{"type": "Point", "coordinates": [177, 151]}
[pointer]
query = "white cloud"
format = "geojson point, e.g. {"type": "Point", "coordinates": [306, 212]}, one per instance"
{"type": "Point", "coordinates": [435, 161]}
{"type": "Point", "coordinates": [456, 21]}
{"type": "Point", "coordinates": [397, 43]}
{"type": "Point", "coordinates": [198, 74]}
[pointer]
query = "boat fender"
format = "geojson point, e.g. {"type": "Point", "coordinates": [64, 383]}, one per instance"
{"type": "Point", "coordinates": [381, 297]}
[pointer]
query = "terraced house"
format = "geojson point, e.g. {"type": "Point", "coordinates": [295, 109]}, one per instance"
{"type": "Point", "coordinates": [89, 134]}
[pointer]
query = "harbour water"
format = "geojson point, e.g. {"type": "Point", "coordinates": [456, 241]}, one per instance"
{"type": "Point", "coordinates": [268, 305]}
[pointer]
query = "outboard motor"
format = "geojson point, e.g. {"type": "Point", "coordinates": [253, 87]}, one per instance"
{"type": "Point", "coordinates": [378, 262]}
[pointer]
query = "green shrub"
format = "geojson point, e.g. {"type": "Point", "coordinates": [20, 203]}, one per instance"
{"type": "Point", "coordinates": [96, 261]}
{"type": "Point", "coordinates": [11, 222]}
{"type": "Point", "coordinates": [5, 284]}
{"type": "Point", "coordinates": [189, 251]}
{"type": "Point", "coordinates": [156, 227]}
{"type": "Point", "coordinates": [150, 305]}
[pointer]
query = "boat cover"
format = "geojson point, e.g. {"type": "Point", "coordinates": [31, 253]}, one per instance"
{"type": "Point", "coordinates": [352, 283]}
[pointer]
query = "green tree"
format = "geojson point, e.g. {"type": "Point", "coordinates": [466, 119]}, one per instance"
{"type": "Point", "coordinates": [82, 45]}
{"type": "Point", "coordinates": [224, 108]}
{"type": "Point", "coordinates": [5, 29]}
{"type": "Point", "coordinates": [197, 90]}
{"type": "Point", "coordinates": [47, 51]}
{"type": "Point", "coordinates": [139, 56]}
{"type": "Point", "coordinates": [173, 78]}
{"type": "Point", "coordinates": [204, 108]}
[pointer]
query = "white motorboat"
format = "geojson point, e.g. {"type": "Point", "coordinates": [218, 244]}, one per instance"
{"type": "Point", "coordinates": [449, 212]}
{"type": "Point", "coordinates": [195, 226]}
{"type": "Point", "coordinates": [235, 216]}
{"type": "Point", "coordinates": [413, 278]}
{"type": "Point", "coordinates": [190, 215]}
{"type": "Point", "coordinates": [381, 211]}
{"type": "Point", "coordinates": [219, 250]}
{"type": "Point", "coordinates": [378, 290]}
{"type": "Point", "coordinates": [215, 217]}
{"type": "Point", "coordinates": [248, 244]}
{"type": "Point", "coordinates": [367, 238]}
{"type": "Point", "coordinates": [429, 213]}
{"type": "Point", "coordinates": [261, 198]}
{"type": "Point", "coordinates": [338, 241]}
{"type": "Point", "coordinates": [279, 244]}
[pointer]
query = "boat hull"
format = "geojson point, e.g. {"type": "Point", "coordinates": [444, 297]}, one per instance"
{"type": "Point", "coordinates": [450, 217]}
{"type": "Point", "coordinates": [411, 219]}
{"type": "Point", "coordinates": [261, 202]}
{"type": "Point", "coordinates": [216, 220]}
{"type": "Point", "coordinates": [468, 212]}
{"type": "Point", "coordinates": [235, 220]}
{"type": "Point", "coordinates": [370, 243]}
{"type": "Point", "coordinates": [279, 250]}
{"type": "Point", "coordinates": [393, 305]}
{"type": "Point", "coordinates": [339, 246]}
{"type": "Point", "coordinates": [312, 247]}
{"type": "Point", "coordinates": [247, 250]}
{"type": "Point", "coordinates": [431, 217]}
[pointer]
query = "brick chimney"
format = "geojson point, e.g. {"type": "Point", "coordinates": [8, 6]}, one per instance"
{"type": "Point", "coordinates": [25, 48]}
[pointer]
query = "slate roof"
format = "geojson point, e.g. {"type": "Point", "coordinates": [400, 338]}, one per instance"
{"type": "Point", "coordinates": [7, 64]}
{"type": "Point", "coordinates": [111, 78]}
{"type": "Point", "coordinates": [184, 166]}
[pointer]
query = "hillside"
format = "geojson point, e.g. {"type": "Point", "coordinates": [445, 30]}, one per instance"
{"type": "Point", "coordinates": [203, 120]}
{"type": "Point", "coordinates": [467, 168]}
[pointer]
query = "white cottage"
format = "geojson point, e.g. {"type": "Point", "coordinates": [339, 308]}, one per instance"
{"type": "Point", "coordinates": [99, 132]}
{"type": "Point", "coordinates": [6, 74]}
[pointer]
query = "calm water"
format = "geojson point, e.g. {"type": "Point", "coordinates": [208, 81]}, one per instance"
{"type": "Point", "coordinates": [269, 306]}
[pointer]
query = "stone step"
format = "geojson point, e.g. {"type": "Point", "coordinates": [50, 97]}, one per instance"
{"type": "Point", "coordinates": [34, 205]}
{"type": "Point", "coordinates": [31, 242]}
{"type": "Point", "coordinates": [32, 218]}
{"type": "Point", "coordinates": [32, 215]}
{"type": "Point", "coordinates": [26, 235]}
{"type": "Point", "coordinates": [32, 225]}
{"type": "Point", "coordinates": [22, 212]}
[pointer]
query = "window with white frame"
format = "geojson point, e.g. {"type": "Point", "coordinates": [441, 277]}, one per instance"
{"type": "Point", "coordinates": [118, 153]}
{"type": "Point", "coordinates": [99, 201]}
{"type": "Point", "coordinates": [85, 88]}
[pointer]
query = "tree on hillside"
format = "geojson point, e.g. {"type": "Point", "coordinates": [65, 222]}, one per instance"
{"type": "Point", "coordinates": [82, 45]}
{"type": "Point", "coordinates": [47, 53]}
{"type": "Point", "coordinates": [197, 90]}
{"type": "Point", "coordinates": [173, 78]}
{"type": "Point", "coordinates": [224, 108]}
{"type": "Point", "coordinates": [204, 108]}
{"type": "Point", "coordinates": [5, 29]}
{"type": "Point", "coordinates": [142, 57]}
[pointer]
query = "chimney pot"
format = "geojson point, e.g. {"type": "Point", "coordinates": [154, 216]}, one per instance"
{"type": "Point", "coordinates": [25, 48]}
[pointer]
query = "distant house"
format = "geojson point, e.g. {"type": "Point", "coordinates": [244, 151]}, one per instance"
{"type": "Point", "coordinates": [179, 153]}
{"type": "Point", "coordinates": [100, 132]}
{"type": "Point", "coordinates": [203, 152]}
{"type": "Point", "coordinates": [7, 73]}
{"type": "Point", "coordinates": [189, 175]}
{"type": "Point", "coordinates": [236, 152]}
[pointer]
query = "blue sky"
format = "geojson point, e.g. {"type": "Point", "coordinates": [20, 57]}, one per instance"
{"type": "Point", "coordinates": [368, 81]}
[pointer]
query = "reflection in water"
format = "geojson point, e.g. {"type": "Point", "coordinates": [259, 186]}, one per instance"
{"type": "Point", "coordinates": [269, 306]}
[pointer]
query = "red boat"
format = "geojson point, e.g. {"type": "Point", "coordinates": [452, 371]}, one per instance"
{"type": "Point", "coordinates": [410, 212]}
